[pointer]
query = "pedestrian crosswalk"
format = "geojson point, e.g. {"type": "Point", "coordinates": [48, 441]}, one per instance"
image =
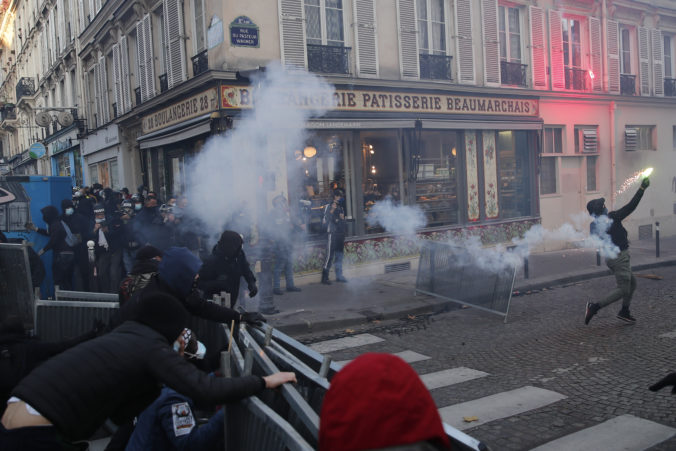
{"type": "Point", "coordinates": [633, 433]}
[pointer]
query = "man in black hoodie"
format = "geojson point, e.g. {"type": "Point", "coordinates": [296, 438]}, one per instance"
{"type": "Point", "coordinates": [63, 258]}
{"type": "Point", "coordinates": [115, 376]}
{"type": "Point", "coordinates": [620, 265]}
{"type": "Point", "coordinates": [79, 226]}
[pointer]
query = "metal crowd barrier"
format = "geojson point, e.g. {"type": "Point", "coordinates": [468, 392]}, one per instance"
{"type": "Point", "coordinates": [451, 273]}
{"type": "Point", "coordinates": [64, 295]}
{"type": "Point", "coordinates": [16, 287]}
{"type": "Point", "coordinates": [61, 320]}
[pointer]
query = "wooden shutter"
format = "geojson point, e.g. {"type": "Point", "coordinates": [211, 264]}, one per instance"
{"type": "Point", "coordinates": [105, 104]}
{"type": "Point", "coordinates": [92, 11]}
{"type": "Point", "coordinates": [292, 34]}
{"type": "Point", "coordinates": [148, 53]}
{"type": "Point", "coordinates": [124, 70]}
{"type": "Point", "coordinates": [142, 76]}
{"type": "Point", "coordinates": [97, 95]}
{"type": "Point", "coordinates": [173, 26]}
{"type": "Point", "coordinates": [117, 79]}
{"type": "Point", "coordinates": [81, 12]}
{"type": "Point", "coordinates": [644, 61]}
{"type": "Point", "coordinates": [537, 46]}
{"type": "Point", "coordinates": [595, 50]}
{"type": "Point", "coordinates": [613, 35]}
{"type": "Point", "coordinates": [658, 61]}
{"type": "Point", "coordinates": [61, 29]}
{"type": "Point", "coordinates": [491, 42]}
{"type": "Point", "coordinates": [465, 53]}
{"type": "Point", "coordinates": [409, 61]}
{"type": "Point", "coordinates": [556, 45]}
{"type": "Point", "coordinates": [365, 38]}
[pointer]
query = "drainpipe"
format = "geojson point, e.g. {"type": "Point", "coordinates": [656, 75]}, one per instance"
{"type": "Point", "coordinates": [612, 109]}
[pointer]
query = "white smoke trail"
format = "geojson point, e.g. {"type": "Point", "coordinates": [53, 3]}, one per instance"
{"type": "Point", "coordinates": [225, 178]}
{"type": "Point", "coordinates": [401, 220]}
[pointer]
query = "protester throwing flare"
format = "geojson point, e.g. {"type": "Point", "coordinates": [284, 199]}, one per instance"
{"type": "Point", "coordinates": [620, 265]}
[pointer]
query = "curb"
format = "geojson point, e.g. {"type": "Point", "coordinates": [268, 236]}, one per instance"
{"type": "Point", "coordinates": [437, 305]}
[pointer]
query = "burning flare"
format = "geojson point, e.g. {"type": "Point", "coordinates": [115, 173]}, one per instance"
{"type": "Point", "coordinates": [647, 172]}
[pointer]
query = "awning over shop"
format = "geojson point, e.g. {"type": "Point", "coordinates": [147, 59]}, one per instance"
{"type": "Point", "coordinates": [482, 125]}
{"type": "Point", "coordinates": [179, 132]}
{"type": "Point", "coordinates": [334, 124]}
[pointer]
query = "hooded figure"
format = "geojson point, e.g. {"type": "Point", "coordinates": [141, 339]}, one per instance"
{"type": "Point", "coordinates": [378, 401]}
{"type": "Point", "coordinates": [224, 268]}
{"type": "Point", "coordinates": [63, 258]}
{"type": "Point", "coordinates": [79, 226]}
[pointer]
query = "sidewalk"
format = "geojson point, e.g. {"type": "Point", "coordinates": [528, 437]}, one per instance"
{"type": "Point", "coordinates": [390, 296]}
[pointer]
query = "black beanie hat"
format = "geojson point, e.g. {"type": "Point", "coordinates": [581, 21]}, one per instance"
{"type": "Point", "coordinates": [164, 314]}
{"type": "Point", "coordinates": [147, 252]}
{"type": "Point", "coordinates": [595, 206]}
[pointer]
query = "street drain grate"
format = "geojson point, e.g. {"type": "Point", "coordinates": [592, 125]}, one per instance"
{"type": "Point", "coordinates": [397, 267]}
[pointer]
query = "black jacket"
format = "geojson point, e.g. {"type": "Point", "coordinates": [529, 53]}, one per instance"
{"type": "Point", "coordinates": [229, 270]}
{"type": "Point", "coordinates": [56, 233]}
{"type": "Point", "coordinates": [617, 232]}
{"type": "Point", "coordinates": [116, 376]}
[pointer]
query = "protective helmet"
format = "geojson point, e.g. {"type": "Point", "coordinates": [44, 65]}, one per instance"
{"type": "Point", "coordinates": [99, 208]}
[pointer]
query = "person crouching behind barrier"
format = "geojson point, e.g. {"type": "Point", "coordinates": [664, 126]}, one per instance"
{"type": "Point", "coordinates": [377, 401]}
{"type": "Point", "coordinates": [115, 376]}
{"type": "Point", "coordinates": [620, 265]}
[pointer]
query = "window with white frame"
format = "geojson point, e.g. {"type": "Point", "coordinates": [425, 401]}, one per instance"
{"type": "Point", "coordinates": [625, 50]}
{"type": "Point", "coordinates": [553, 140]}
{"type": "Point", "coordinates": [639, 137]}
{"type": "Point", "coordinates": [509, 28]}
{"type": "Point", "coordinates": [431, 27]}
{"type": "Point", "coordinates": [549, 160]}
{"type": "Point", "coordinates": [200, 26]}
{"type": "Point", "coordinates": [668, 56]}
{"type": "Point", "coordinates": [324, 22]}
{"type": "Point", "coordinates": [576, 76]}
{"type": "Point", "coordinates": [592, 173]}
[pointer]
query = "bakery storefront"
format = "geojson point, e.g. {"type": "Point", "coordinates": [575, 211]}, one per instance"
{"type": "Point", "coordinates": [469, 162]}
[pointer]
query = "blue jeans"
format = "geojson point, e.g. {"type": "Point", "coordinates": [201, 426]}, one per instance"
{"type": "Point", "coordinates": [283, 262]}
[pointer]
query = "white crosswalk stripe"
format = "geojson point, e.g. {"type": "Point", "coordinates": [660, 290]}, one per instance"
{"type": "Point", "coordinates": [500, 405]}
{"type": "Point", "coordinates": [407, 356]}
{"type": "Point", "coordinates": [450, 376]}
{"type": "Point", "coordinates": [328, 346]}
{"type": "Point", "coordinates": [625, 432]}
{"type": "Point", "coordinates": [668, 335]}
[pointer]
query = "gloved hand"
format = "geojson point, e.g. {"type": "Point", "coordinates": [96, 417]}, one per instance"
{"type": "Point", "coordinates": [669, 379]}
{"type": "Point", "coordinates": [645, 183]}
{"type": "Point", "coordinates": [253, 290]}
{"type": "Point", "coordinates": [253, 318]}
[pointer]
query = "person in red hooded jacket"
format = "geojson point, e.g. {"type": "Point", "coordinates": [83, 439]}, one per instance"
{"type": "Point", "coordinates": [378, 401]}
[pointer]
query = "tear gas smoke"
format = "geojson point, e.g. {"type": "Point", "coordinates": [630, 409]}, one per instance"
{"type": "Point", "coordinates": [401, 220]}
{"type": "Point", "coordinates": [224, 180]}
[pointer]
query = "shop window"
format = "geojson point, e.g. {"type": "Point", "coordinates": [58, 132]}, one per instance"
{"type": "Point", "coordinates": [314, 172]}
{"type": "Point", "coordinates": [105, 173]}
{"type": "Point", "coordinates": [548, 175]}
{"type": "Point", "coordinates": [380, 171]}
{"type": "Point", "coordinates": [513, 173]}
{"type": "Point", "coordinates": [592, 169]}
{"type": "Point", "coordinates": [436, 187]}
{"type": "Point", "coordinates": [63, 165]}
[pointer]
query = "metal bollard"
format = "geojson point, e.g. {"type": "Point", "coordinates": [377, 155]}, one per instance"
{"type": "Point", "coordinates": [657, 239]}
{"type": "Point", "coordinates": [526, 272]}
{"type": "Point", "coordinates": [326, 366]}
{"type": "Point", "coordinates": [598, 257]}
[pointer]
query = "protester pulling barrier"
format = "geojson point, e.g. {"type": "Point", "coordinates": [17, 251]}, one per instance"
{"type": "Point", "coordinates": [449, 273]}
{"type": "Point", "coordinates": [62, 320]}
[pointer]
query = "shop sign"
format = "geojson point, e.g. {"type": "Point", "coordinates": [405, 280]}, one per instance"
{"type": "Point", "coordinates": [244, 33]}
{"type": "Point", "coordinates": [101, 139]}
{"type": "Point", "coordinates": [192, 107]}
{"type": "Point", "coordinates": [242, 97]}
{"type": "Point", "coordinates": [60, 145]}
{"type": "Point", "coordinates": [37, 150]}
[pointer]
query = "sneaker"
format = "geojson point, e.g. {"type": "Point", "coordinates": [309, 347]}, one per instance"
{"type": "Point", "coordinates": [341, 279]}
{"type": "Point", "coordinates": [293, 289]}
{"type": "Point", "coordinates": [269, 311]}
{"type": "Point", "coordinates": [592, 309]}
{"type": "Point", "coordinates": [277, 291]}
{"type": "Point", "coordinates": [624, 315]}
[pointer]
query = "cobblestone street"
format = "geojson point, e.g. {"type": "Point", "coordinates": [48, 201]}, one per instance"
{"type": "Point", "coordinates": [601, 371]}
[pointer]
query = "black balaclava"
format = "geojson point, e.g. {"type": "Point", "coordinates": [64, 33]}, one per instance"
{"type": "Point", "coordinates": [230, 243]}
{"type": "Point", "coordinates": [595, 206]}
{"type": "Point", "coordinates": [164, 314]}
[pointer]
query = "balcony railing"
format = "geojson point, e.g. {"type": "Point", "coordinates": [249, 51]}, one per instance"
{"type": "Point", "coordinates": [435, 67]}
{"type": "Point", "coordinates": [670, 87]}
{"type": "Point", "coordinates": [328, 59]}
{"type": "Point", "coordinates": [7, 114]}
{"type": "Point", "coordinates": [25, 87]}
{"type": "Point", "coordinates": [137, 95]}
{"type": "Point", "coordinates": [576, 79]}
{"type": "Point", "coordinates": [513, 73]}
{"type": "Point", "coordinates": [627, 84]}
{"type": "Point", "coordinates": [164, 85]}
{"type": "Point", "coordinates": [200, 63]}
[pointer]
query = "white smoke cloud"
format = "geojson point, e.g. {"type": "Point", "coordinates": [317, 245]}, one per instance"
{"type": "Point", "coordinates": [225, 178]}
{"type": "Point", "coordinates": [401, 220]}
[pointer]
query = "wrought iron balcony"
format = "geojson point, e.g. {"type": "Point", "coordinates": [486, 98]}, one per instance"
{"type": "Point", "coordinates": [328, 59]}
{"type": "Point", "coordinates": [200, 63]}
{"type": "Point", "coordinates": [670, 87]}
{"type": "Point", "coordinates": [25, 87]}
{"type": "Point", "coordinates": [435, 67]}
{"type": "Point", "coordinates": [513, 73]}
{"type": "Point", "coordinates": [164, 84]}
{"type": "Point", "coordinates": [7, 114]}
{"type": "Point", "coordinates": [576, 79]}
{"type": "Point", "coordinates": [137, 95]}
{"type": "Point", "coordinates": [627, 85]}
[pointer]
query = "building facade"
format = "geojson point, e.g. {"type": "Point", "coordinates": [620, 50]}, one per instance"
{"type": "Point", "coordinates": [489, 115]}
